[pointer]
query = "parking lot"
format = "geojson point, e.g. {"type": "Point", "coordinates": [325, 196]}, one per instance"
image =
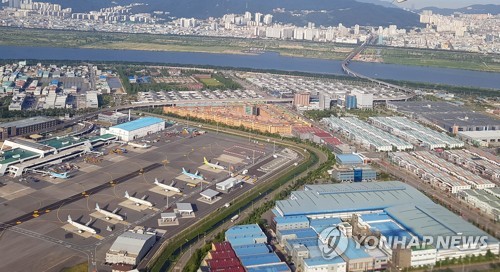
{"type": "Point", "coordinates": [279, 85]}
{"type": "Point", "coordinates": [197, 95]}
{"type": "Point", "coordinates": [46, 232]}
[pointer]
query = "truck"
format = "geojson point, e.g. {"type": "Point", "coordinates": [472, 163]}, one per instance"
{"type": "Point", "coordinates": [234, 218]}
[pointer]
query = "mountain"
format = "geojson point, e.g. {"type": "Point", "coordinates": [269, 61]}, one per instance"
{"type": "Point", "coordinates": [299, 12]}
{"type": "Point", "coordinates": [379, 2]}
{"type": "Point", "coordinates": [474, 9]}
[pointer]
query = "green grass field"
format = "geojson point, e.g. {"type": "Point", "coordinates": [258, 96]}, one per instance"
{"type": "Point", "coordinates": [211, 82]}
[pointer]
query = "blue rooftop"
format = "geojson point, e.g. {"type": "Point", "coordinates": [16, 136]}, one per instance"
{"type": "Point", "coordinates": [291, 219]}
{"type": "Point", "coordinates": [321, 224]}
{"type": "Point", "coordinates": [390, 229]}
{"type": "Point", "coordinates": [260, 259]}
{"type": "Point", "coordinates": [243, 240]}
{"type": "Point", "coordinates": [349, 159]}
{"type": "Point", "coordinates": [372, 217]}
{"type": "Point", "coordinates": [244, 230]}
{"type": "Point", "coordinates": [308, 242]}
{"type": "Point", "coordinates": [282, 267]}
{"type": "Point", "coordinates": [354, 251]}
{"type": "Point", "coordinates": [300, 233]}
{"type": "Point", "coordinates": [139, 123]}
{"type": "Point", "coordinates": [244, 234]}
{"type": "Point", "coordinates": [254, 249]}
{"type": "Point", "coordinates": [322, 261]}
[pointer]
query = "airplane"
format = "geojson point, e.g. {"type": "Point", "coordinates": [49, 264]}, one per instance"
{"type": "Point", "coordinates": [59, 175]}
{"type": "Point", "coordinates": [399, 1]}
{"type": "Point", "coordinates": [213, 165]}
{"type": "Point", "coordinates": [81, 227]}
{"type": "Point", "coordinates": [108, 214]}
{"type": "Point", "coordinates": [191, 175]}
{"type": "Point", "coordinates": [138, 201]}
{"type": "Point", "coordinates": [167, 187]}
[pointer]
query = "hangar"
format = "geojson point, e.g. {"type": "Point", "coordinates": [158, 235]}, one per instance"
{"type": "Point", "coordinates": [135, 129]}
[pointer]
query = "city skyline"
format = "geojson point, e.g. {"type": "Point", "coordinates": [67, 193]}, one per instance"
{"type": "Point", "coordinates": [418, 4]}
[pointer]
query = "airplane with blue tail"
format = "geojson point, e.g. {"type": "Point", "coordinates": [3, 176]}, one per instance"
{"type": "Point", "coordinates": [192, 176]}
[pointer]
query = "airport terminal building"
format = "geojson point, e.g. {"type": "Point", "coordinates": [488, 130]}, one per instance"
{"type": "Point", "coordinates": [135, 129]}
{"type": "Point", "coordinates": [389, 211]}
{"type": "Point", "coordinates": [27, 126]}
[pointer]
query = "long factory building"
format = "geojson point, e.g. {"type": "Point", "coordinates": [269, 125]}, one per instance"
{"type": "Point", "coordinates": [391, 210]}
{"type": "Point", "coordinates": [477, 161]}
{"type": "Point", "coordinates": [367, 135]}
{"type": "Point", "coordinates": [415, 133]}
{"type": "Point", "coordinates": [439, 172]}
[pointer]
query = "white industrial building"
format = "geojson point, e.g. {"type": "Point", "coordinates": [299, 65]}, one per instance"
{"type": "Point", "coordinates": [487, 200]}
{"type": "Point", "coordinates": [366, 134]}
{"type": "Point", "coordinates": [483, 138]}
{"type": "Point", "coordinates": [91, 100]}
{"type": "Point", "coordinates": [227, 184]}
{"type": "Point", "coordinates": [130, 247]}
{"type": "Point", "coordinates": [364, 99]}
{"type": "Point", "coordinates": [415, 133]}
{"type": "Point", "coordinates": [135, 129]}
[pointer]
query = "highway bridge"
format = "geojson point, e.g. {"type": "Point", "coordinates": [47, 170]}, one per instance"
{"type": "Point", "coordinates": [350, 72]}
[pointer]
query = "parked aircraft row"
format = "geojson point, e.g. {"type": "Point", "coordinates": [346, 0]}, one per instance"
{"type": "Point", "coordinates": [138, 201]}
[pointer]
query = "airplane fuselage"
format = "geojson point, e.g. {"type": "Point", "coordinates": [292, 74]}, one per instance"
{"type": "Point", "coordinates": [110, 214]}
{"type": "Point", "coordinates": [168, 187]}
{"type": "Point", "coordinates": [140, 201]}
{"type": "Point", "coordinates": [82, 227]}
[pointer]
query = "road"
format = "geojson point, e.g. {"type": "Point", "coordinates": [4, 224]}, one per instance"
{"type": "Point", "coordinates": [350, 72]}
{"type": "Point", "coordinates": [447, 200]}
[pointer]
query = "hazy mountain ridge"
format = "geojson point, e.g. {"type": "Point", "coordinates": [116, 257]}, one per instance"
{"type": "Point", "coordinates": [474, 9]}
{"type": "Point", "coordinates": [321, 12]}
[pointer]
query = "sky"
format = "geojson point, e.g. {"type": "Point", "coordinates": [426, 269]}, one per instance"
{"type": "Point", "coordinates": [444, 3]}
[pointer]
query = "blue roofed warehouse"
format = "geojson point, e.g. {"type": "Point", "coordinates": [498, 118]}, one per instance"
{"type": "Point", "coordinates": [138, 128]}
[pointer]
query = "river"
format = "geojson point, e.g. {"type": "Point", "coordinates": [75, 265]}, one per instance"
{"type": "Point", "coordinates": [268, 60]}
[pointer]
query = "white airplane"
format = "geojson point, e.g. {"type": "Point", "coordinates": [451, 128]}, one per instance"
{"type": "Point", "coordinates": [191, 175]}
{"type": "Point", "coordinates": [213, 165]}
{"type": "Point", "coordinates": [399, 1]}
{"type": "Point", "coordinates": [81, 227]}
{"type": "Point", "coordinates": [108, 214]}
{"type": "Point", "coordinates": [59, 175]}
{"type": "Point", "coordinates": [138, 201]}
{"type": "Point", "coordinates": [167, 187]}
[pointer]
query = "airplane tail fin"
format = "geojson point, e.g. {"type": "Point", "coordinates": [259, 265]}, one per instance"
{"type": "Point", "coordinates": [126, 194]}
{"type": "Point", "coordinates": [65, 175]}
{"type": "Point", "coordinates": [184, 170]}
{"type": "Point", "coordinates": [97, 206]}
{"type": "Point", "coordinates": [69, 218]}
{"type": "Point", "coordinates": [156, 181]}
{"type": "Point", "coordinates": [205, 160]}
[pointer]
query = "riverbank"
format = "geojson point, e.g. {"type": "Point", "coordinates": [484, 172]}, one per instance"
{"type": "Point", "coordinates": [171, 43]}
{"type": "Point", "coordinates": [225, 45]}
{"type": "Point", "coordinates": [265, 62]}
